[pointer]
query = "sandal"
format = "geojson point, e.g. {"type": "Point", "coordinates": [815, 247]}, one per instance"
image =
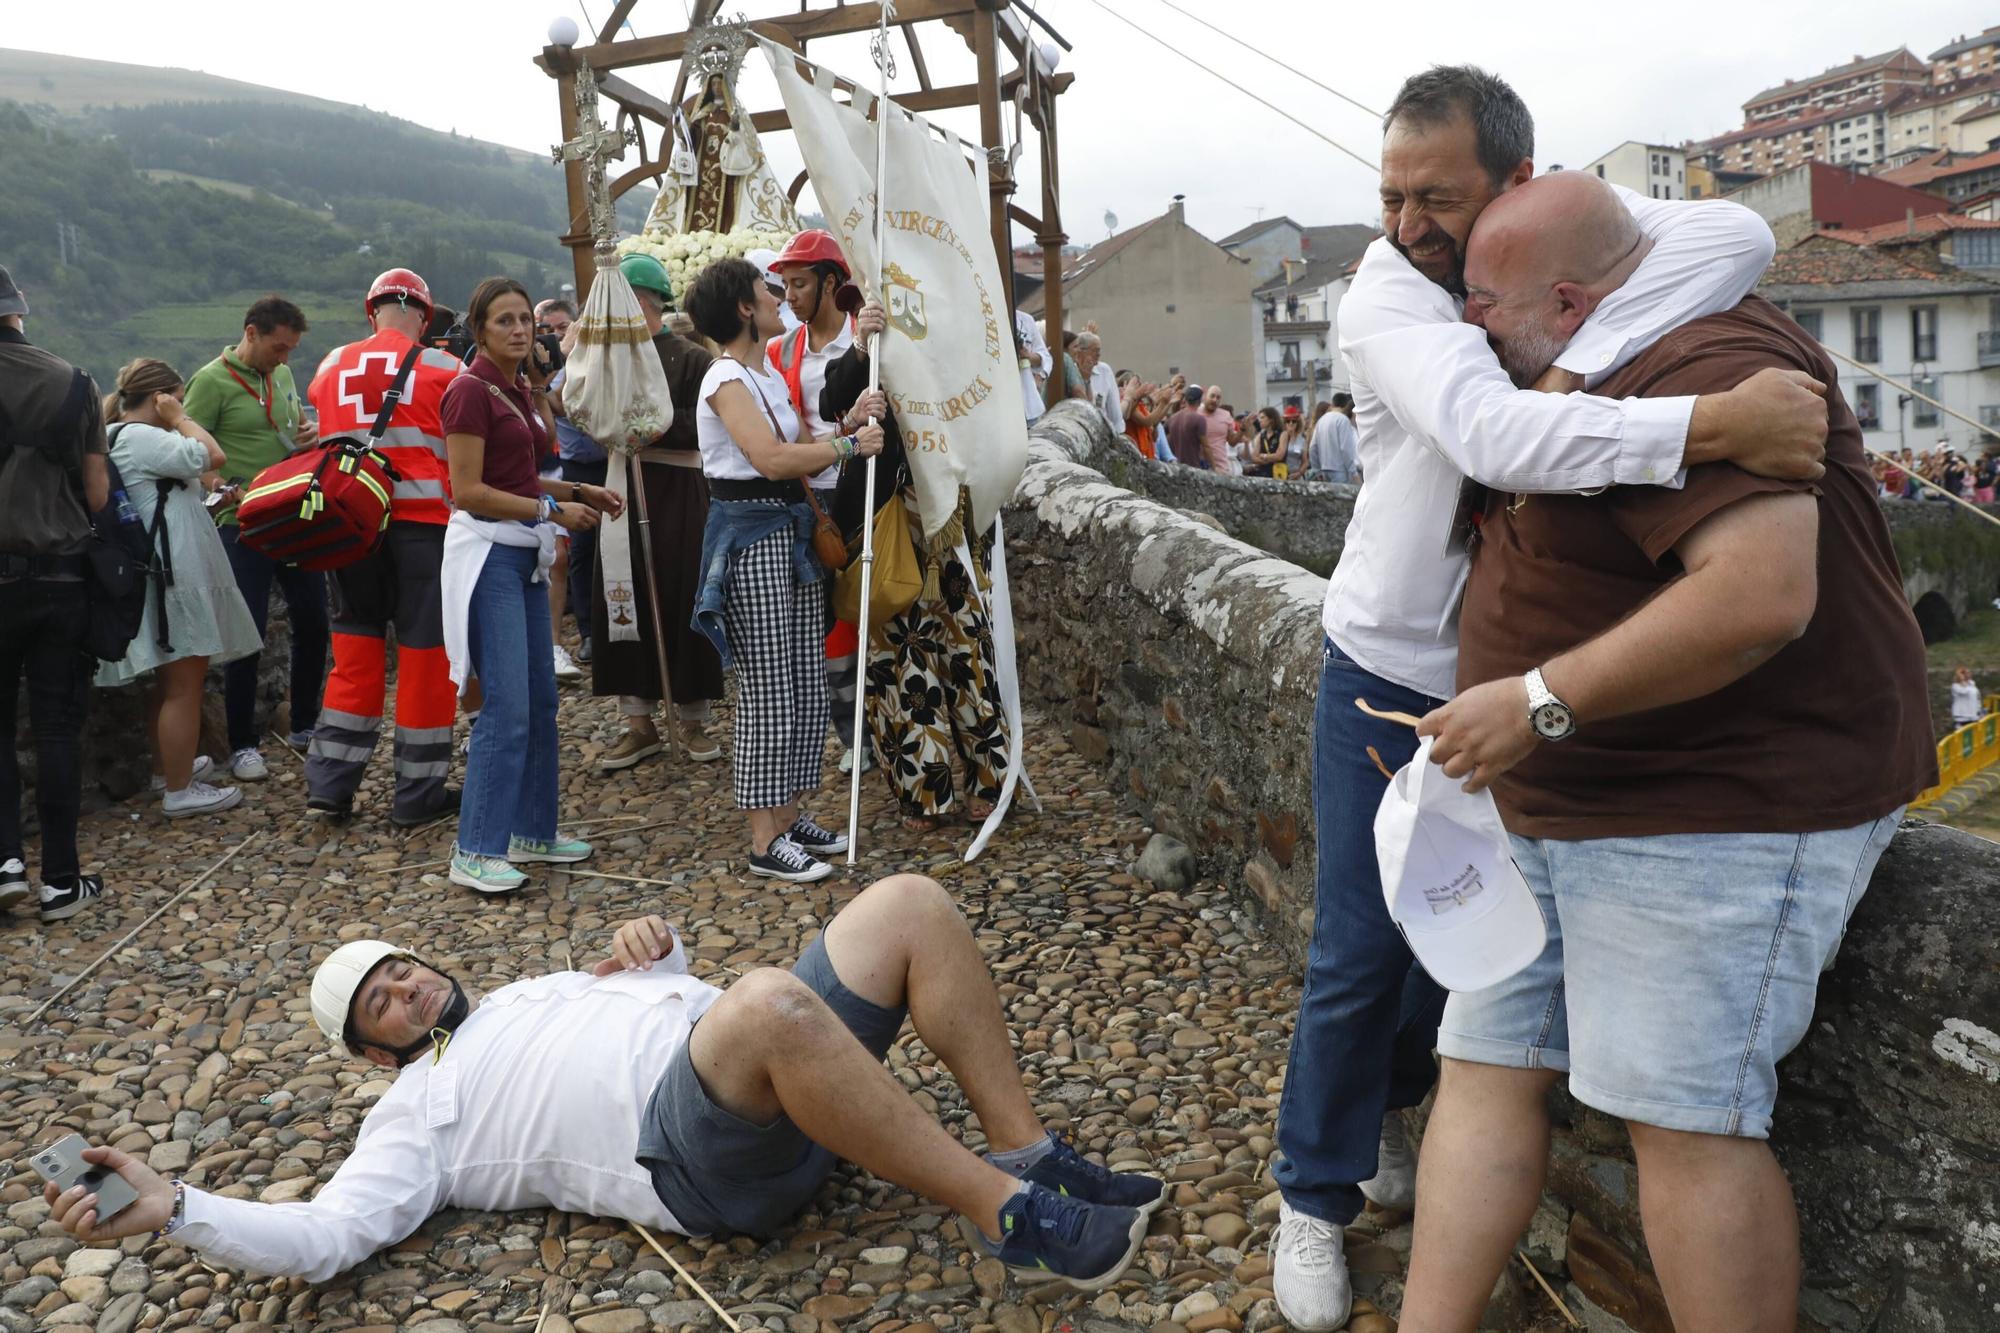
{"type": "Point", "coordinates": [977, 812]}
{"type": "Point", "coordinates": [921, 823]}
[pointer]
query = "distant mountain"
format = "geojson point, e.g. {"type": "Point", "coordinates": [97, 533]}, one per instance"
{"type": "Point", "coordinates": [145, 208]}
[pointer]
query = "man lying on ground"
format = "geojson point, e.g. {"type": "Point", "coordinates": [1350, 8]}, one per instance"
{"type": "Point", "coordinates": [637, 1091]}
{"type": "Point", "coordinates": [1701, 712]}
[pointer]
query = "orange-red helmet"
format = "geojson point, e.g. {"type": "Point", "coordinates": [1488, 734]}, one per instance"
{"type": "Point", "coordinates": [398, 282]}
{"type": "Point", "coordinates": [811, 247]}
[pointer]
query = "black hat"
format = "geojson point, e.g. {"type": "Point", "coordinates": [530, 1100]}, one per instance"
{"type": "Point", "coordinates": [11, 300]}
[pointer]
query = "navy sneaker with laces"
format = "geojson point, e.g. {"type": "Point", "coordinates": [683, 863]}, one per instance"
{"type": "Point", "coordinates": [1067, 1171]}
{"type": "Point", "coordinates": [1047, 1237]}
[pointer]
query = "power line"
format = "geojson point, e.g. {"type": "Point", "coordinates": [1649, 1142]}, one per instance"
{"type": "Point", "coordinates": [1266, 104]}
{"type": "Point", "coordinates": [1258, 51]}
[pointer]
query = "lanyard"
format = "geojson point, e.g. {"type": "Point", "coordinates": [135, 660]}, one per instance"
{"type": "Point", "coordinates": [263, 399]}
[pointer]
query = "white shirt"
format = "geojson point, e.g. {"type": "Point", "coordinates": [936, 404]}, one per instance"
{"type": "Point", "coordinates": [720, 455]}
{"type": "Point", "coordinates": [1965, 703]}
{"type": "Point", "coordinates": [812, 375]}
{"type": "Point", "coordinates": [536, 1104]}
{"type": "Point", "coordinates": [1104, 395]}
{"type": "Point", "coordinates": [1037, 350]}
{"type": "Point", "coordinates": [1433, 406]}
{"type": "Point", "coordinates": [1335, 447]}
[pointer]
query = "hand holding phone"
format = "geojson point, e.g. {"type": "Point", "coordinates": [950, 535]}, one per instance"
{"type": "Point", "coordinates": [91, 1185]}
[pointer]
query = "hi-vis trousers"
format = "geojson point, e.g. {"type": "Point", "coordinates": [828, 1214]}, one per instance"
{"type": "Point", "coordinates": [397, 584]}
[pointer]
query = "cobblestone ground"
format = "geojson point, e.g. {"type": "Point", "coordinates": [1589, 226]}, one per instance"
{"type": "Point", "coordinates": [1151, 1027]}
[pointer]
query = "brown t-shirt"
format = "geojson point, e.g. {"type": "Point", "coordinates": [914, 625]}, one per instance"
{"type": "Point", "coordinates": [1832, 731]}
{"type": "Point", "coordinates": [42, 506]}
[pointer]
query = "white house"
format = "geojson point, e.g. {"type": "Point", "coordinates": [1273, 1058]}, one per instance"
{"type": "Point", "coordinates": [1937, 330]}
{"type": "Point", "coordinates": [1301, 352]}
{"type": "Point", "coordinates": [1657, 171]}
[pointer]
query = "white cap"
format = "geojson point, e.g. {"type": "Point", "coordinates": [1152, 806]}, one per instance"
{"type": "Point", "coordinates": [763, 259]}
{"type": "Point", "coordinates": [1449, 878]}
{"type": "Point", "coordinates": [340, 976]}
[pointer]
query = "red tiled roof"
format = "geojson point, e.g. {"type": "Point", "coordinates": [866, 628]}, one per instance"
{"type": "Point", "coordinates": [1816, 263]}
{"type": "Point", "coordinates": [1925, 170]}
{"type": "Point", "coordinates": [1854, 66]}
{"type": "Point", "coordinates": [1925, 227]}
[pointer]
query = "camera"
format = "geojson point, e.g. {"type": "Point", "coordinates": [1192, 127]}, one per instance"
{"type": "Point", "coordinates": [551, 355]}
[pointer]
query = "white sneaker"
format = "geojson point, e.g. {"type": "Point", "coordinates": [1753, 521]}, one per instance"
{"type": "Point", "coordinates": [1310, 1272]}
{"type": "Point", "coordinates": [566, 667]}
{"type": "Point", "coordinates": [203, 765]}
{"type": "Point", "coordinates": [1394, 1184]}
{"type": "Point", "coordinates": [246, 765]}
{"type": "Point", "coordinates": [13, 881]}
{"type": "Point", "coordinates": [198, 798]}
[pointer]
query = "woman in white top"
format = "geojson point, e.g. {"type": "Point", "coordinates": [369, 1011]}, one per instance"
{"type": "Point", "coordinates": [763, 596]}
{"type": "Point", "coordinates": [194, 614]}
{"type": "Point", "coordinates": [1966, 707]}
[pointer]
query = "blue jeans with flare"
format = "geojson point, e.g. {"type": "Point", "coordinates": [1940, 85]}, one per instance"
{"type": "Point", "coordinates": [510, 775]}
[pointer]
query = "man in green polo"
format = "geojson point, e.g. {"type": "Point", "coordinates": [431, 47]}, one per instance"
{"type": "Point", "coordinates": [245, 398]}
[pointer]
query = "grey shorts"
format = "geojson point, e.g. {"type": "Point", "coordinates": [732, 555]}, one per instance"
{"type": "Point", "coordinates": [724, 1174]}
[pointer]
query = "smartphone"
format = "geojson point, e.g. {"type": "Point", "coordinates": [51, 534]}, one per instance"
{"type": "Point", "coordinates": [62, 1164]}
{"type": "Point", "coordinates": [215, 497]}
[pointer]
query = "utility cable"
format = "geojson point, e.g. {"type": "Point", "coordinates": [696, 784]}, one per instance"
{"type": "Point", "coordinates": [1918, 394]}
{"type": "Point", "coordinates": [1149, 35]}
{"type": "Point", "coordinates": [1256, 51]}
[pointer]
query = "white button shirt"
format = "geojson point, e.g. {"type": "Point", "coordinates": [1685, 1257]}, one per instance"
{"type": "Point", "coordinates": [812, 380]}
{"type": "Point", "coordinates": [1433, 406]}
{"type": "Point", "coordinates": [1104, 396]}
{"type": "Point", "coordinates": [535, 1104]}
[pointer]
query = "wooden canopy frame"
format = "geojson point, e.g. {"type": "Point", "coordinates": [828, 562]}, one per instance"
{"type": "Point", "coordinates": [987, 26]}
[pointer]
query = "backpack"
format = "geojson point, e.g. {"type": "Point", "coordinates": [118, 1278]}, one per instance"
{"type": "Point", "coordinates": [127, 558]}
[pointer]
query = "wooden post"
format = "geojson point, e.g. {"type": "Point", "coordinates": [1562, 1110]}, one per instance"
{"type": "Point", "coordinates": [1052, 240]}
{"type": "Point", "coordinates": [986, 48]}
{"type": "Point", "coordinates": [582, 252]}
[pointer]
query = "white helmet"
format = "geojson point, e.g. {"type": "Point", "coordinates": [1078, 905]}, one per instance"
{"type": "Point", "coordinates": [340, 976]}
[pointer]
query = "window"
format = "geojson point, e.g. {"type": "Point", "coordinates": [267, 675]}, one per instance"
{"type": "Point", "coordinates": [1868, 405]}
{"type": "Point", "coordinates": [1808, 318]}
{"type": "Point", "coordinates": [1977, 249]}
{"type": "Point", "coordinates": [1867, 323]}
{"type": "Point", "coordinates": [1921, 412]}
{"type": "Point", "coordinates": [1600, 171]}
{"type": "Point", "coordinates": [1923, 332]}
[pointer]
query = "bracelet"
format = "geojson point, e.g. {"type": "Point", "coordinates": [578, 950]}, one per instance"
{"type": "Point", "coordinates": [844, 447]}
{"type": "Point", "coordinates": [178, 1217]}
{"type": "Point", "coordinates": [548, 509]}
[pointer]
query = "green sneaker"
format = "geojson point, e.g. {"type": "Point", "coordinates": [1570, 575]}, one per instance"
{"type": "Point", "coordinates": [523, 851]}
{"type": "Point", "coordinates": [484, 874]}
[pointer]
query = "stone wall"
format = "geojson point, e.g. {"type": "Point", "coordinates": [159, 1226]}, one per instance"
{"type": "Point", "coordinates": [1302, 521]}
{"type": "Point", "coordinates": [1950, 560]}
{"type": "Point", "coordinates": [1186, 663]}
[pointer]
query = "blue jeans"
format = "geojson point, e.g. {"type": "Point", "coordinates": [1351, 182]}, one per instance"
{"type": "Point", "coordinates": [583, 545]}
{"type": "Point", "coordinates": [305, 607]}
{"type": "Point", "coordinates": [1679, 970]}
{"type": "Point", "coordinates": [510, 775]}
{"type": "Point", "coordinates": [1368, 1014]}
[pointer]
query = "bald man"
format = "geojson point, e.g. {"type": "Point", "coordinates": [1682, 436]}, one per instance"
{"type": "Point", "coordinates": [1701, 712]}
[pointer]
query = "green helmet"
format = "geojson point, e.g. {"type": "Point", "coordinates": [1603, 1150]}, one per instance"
{"type": "Point", "coordinates": [646, 273]}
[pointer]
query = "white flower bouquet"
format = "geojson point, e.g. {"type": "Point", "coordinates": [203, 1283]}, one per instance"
{"type": "Point", "coordinates": [686, 253]}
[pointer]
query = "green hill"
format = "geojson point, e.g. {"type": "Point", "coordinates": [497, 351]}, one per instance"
{"type": "Point", "coordinates": [146, 227]}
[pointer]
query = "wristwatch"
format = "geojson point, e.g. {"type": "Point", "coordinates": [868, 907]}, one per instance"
{"type": "Point", "coordinates": [1549, 716]}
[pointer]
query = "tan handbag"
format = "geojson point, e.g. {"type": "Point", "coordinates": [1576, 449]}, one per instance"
{"type": "Point", "coordinates": [898, 576]}
{"type": "Point", "coordinates": [828, 544]}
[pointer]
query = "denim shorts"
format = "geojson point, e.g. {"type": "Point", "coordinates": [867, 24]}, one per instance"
{"type": "Point", "coordinates": [1679, 969]}
{"type": "Point", "coordinates": [724, 1174]}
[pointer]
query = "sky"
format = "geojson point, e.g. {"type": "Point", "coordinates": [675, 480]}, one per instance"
{"type": "Point", "coordinates": [1140, 124]}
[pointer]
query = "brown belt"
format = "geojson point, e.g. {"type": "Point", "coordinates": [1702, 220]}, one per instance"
{"type": "Point", "coordinates": [673, 457]}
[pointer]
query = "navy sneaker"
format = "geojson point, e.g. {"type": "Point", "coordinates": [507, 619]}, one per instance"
{"type": "Point", "coordinates": [1067, 1171]}
{"type": "Point", "coordinates": [1047, 1237]}
{"type": "Point", "coordinates": [818, 841]}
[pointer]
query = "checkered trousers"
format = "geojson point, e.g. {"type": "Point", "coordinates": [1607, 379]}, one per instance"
{"type": "Point", "coordinates": [776, 630]}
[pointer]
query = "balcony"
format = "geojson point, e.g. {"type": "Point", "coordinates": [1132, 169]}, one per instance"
{"type": "Point", "coordinates": [1989, 348]}
{"type": "Point", "coordinates": [1281, 326]}
{"type": "Point", "coordinates": [1291, 372]}
{"type": "Point", "coordinates": [1989, 415]}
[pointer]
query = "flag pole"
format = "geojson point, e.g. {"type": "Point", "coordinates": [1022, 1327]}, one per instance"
{"type": "Point", "coordinates": [868, 488]}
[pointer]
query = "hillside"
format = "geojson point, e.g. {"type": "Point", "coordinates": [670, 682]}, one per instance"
{"type": "Point", "coordinates": [146, 226]}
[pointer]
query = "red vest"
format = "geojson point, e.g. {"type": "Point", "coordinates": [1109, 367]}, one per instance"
{"type": "Point", "coordinates": [347, 391]}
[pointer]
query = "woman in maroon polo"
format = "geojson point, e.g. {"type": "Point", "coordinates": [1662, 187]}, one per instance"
{"type": "Point", "coordinates": [497, 551]}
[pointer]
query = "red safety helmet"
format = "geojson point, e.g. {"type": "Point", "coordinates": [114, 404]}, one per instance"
{"type": "Point", "coordinates": [811, 247]}
{"type": "Point", "coordinates": [399, 282]}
